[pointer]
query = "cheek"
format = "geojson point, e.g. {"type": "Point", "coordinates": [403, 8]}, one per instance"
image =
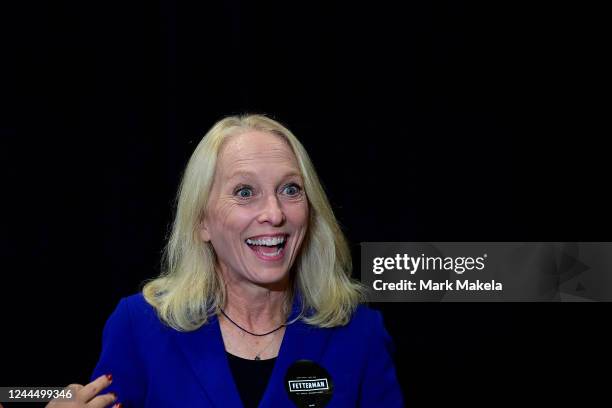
{"type": "Point", "coordinates": [298, 215]}
{"type": "Point", "coordinates": [232, 217]}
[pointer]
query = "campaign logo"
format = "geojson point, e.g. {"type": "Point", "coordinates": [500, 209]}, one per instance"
{"type": "Point", "coordinates": [308, 384]}
{"type": "Point", "coordinates": [311, 385]}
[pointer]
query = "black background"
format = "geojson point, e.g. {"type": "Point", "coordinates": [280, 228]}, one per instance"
{"type": "Point", "coordinates": [429, 121]}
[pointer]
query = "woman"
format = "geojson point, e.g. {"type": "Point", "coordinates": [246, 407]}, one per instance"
{"type": "Point", "coordinates": [256, 305]}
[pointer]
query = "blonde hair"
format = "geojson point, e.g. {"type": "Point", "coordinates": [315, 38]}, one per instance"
{"type": "Point", "coordinates": [189, 290]}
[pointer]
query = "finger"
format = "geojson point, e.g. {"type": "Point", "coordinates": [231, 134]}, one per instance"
{"type": "Point", "coordinates": [92, 389]}
{"type": "Point", "coordinates": [74, 388]}
{"type": "Point", "coordinates": [102, 401]}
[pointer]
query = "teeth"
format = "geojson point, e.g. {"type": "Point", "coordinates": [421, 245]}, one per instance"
{"type": "Point", "coordinates": [278, 251]}
{"type": "Point", "coordinates": [272, 241]}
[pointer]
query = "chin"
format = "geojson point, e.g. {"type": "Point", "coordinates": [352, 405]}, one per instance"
{"type": "Point", "coordinates": [265, 279]}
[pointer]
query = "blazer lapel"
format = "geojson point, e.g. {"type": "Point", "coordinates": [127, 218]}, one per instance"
{"type": "Point", "coordinates": [205, 353]}
{"type": "Point", "coordinates": [300, 342]}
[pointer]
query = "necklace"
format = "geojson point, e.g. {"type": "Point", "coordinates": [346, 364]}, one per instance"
{"type": "Point", "coordinates": [251, 333]}
{"type": "Point", "coordinates": [257, 356]}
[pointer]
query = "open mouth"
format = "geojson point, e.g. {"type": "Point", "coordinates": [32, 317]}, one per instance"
{"type": "Point", "coordinates": [268, 248]}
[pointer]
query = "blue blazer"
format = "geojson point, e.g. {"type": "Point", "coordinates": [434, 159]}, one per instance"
{"type": "Point", "coordinates": [154, 365]}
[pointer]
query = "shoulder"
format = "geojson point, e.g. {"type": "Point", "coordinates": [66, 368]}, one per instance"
{"type": "Point", "coordinates": [366, 317]}
{"type": "Point", "coordinates": [364, 312]}
{"type": "Point", "coordinates": [367, 323]}
{"type": "Point", "coordinates": [134, 313]}
{"type": "Point", "coordinates": [138, 306]}
{"type": "Point", "coordinates": [135, 306]}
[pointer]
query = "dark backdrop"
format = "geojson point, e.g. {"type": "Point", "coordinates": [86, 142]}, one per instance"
{"type": "Point", "coordinates": [429, 121]}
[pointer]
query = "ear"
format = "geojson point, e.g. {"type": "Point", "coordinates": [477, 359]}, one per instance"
{"type": "Point", "coordinates": [204, 230]}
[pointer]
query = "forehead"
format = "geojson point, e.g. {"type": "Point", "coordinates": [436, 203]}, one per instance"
{"type": "Point", "coordinates": [255, 148]}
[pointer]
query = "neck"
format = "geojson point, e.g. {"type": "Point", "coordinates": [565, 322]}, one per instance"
{"type": "Point", "coordinates": [255, 308]}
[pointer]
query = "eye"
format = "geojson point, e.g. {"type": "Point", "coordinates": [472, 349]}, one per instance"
{"type": "Point", "coordinates": [292, 190]}
{"type": "Point", "coordinates": [244, 192]}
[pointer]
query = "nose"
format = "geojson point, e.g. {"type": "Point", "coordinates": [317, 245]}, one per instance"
{"type": "Point", "coordinates": [272, 212]}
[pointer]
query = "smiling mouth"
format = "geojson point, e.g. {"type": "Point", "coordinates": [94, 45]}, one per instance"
{"type": "Point", "coordinates": [268, 248]}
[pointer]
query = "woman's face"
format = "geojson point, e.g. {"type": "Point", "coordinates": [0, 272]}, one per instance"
{"type": "Point", "coordinates": [257, 215]}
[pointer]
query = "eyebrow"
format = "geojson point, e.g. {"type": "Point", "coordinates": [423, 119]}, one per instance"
{"type": "Point", "coordinates": [247, 174]}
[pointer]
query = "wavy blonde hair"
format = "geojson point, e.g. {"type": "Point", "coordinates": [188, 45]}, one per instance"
{"type": "Point", "coordinates": [189, 289]}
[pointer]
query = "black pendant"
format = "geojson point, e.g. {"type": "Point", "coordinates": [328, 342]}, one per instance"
{"type": "Point", "coordinates": [257, 357]}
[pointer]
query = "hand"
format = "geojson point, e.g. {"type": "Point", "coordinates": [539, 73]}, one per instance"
{"type": "Point", "coordinates": [87, 396]}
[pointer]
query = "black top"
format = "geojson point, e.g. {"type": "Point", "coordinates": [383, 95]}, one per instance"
{"type": "Point", "coordinates": [251, 378]}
